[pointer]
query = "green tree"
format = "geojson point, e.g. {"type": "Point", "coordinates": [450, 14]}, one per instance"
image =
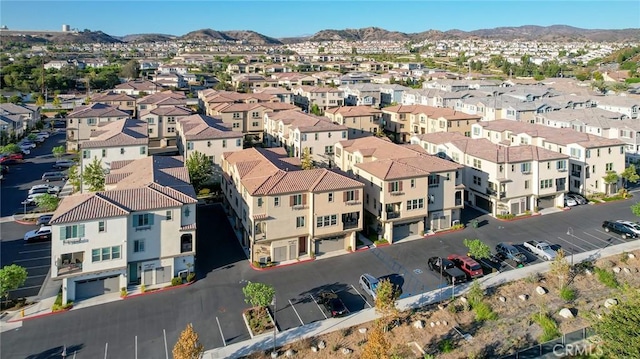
{"type": "Point", "coordinates": [386, 296]}
{"type": "Point", "coordinates": [258, 294]}
{"type": "Point", "coordinates": [617, 329]}
{"type": "Point", "coordinates": [11, 277]}
{"type": "Point", "coordinates": [93, 175]}
{"type": "Point", "coordinates": [315, 110]}
{"type": "Point", "coordinates": [58, 152]}
{"type": "Point", "coordinates": [74, 178]}
{"type": "Point", "coordinates": [477, 248]}
{"type": "Point", "coordinates": [610, 179]}
{"type": "Point", "coordinates": [307, 161]}
{"type": "Point", "coordinates": [200, 169]}
{"type": "Point", "coordinates": [48, 202]}
{"type": "Point", "coordinates": [597, 76]}
{"type": "Point", "coordinates": [188, 345]}
{"type": "Point", "coordinates": [10, 148]}
{"type": "Point", "coordinates": [630, 174]}
{"type": "Point", "coordinates": [40, 101]}
{"type": "Point", "coordinates": [131, 69]}
{"type": "Point", "coordinates": [377, 346]}
{"type": "Point", "coordinates": [15, 99]}
{"type": "Point", "coordinates": [561, 268]}
{"type": "Point", "coordinates": [57, 103]}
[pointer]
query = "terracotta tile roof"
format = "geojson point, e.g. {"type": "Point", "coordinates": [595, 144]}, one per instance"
{"type": "Point", "coordinates": [178, 98]}
{"type": "Point", "coordinates": [432, 164]}
{"type": "Point", "coordinates": [127, 132]}
{"type": "Point", "coordinates": [119, 164]}
{"type": "Point", "coordinates": [378, 148]}
{"type": "Point", "coordinates": [389, 169]}
{"type": "Point", "coordinates": [431, 112]}
{"type": "Point", "coordinates": [167, 111]}
{"type": "Point", "coordinates": [316, 89]}
{"type": "Point", "coordinates": [139, 85]}
{"type": "Point", "coordinates": [305, 122]}
{"type": "Point", "coordinates": [354, 111]}
{"type": "Point", "coordinates": [112, 96]}
{"type": "Point", "coordinates": [201, 127]}
{"type": "Point", "coordinates": [279, 106]}
{"type": "Point", "coordinates": [85, 206]}
{"type": "Point", "coordinates": [97, 110]}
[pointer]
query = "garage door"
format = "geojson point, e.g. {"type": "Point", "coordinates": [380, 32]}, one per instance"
{"type": "Point", "coordinates": [483, 203]}
{"type": "Point", "coordinates": [401, 231]}
{"type": "Point", "coordinates": [163, 274]}
{"type": "Point", "coordinates": [327, 245]}
{"type": "Point", "coordinates": [279, 254]}
{"type": "Point", "coordinates": [95, 287]}
{"type": "Point", "coordinates": [546, 202]}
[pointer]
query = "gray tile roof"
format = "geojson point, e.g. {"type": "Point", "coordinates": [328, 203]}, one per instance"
{"type": "Point", "coordinates": [127, 132]}
{"type": "Point", "coordinates": [201, 127]}
{"type": "Point", "coordinates": [97, 110]}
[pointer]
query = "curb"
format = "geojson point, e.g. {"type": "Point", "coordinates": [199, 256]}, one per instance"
{"type": "Point", "coordinates": [40, 315]}
{"type": "Point", "coordinates": [28, 223]}
{"type": "Point", "coordinates": [518, 218]}
{"type": "Point", "coordinates": [361, 249]}
{"type": "Point", "coordinates": [154, 291]}
{"type": "Point", "coordinates": [444, 232]}
{"type": "Point", "coordinates": [281, 265]}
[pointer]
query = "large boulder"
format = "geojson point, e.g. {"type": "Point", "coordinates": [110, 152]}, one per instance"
{"type": "Point", "coordinates": [566, 313]}
{"type": "Point", "coordinates": [418, 324]}
{"type": "Point", "coordinates": [322, 344]}
{"type": "Point", "coordinates": [541, 290]}
{"type": "Point", "coordinates": [289, 353]}
{"type": "Point", "coordinates": [523, 297]}
{"type": "Point", "coordinates": [346, 351]}
{"type": "Point", "coordinates": [611, 302]}
{"type": "Point", "coordinates": [616, 269]}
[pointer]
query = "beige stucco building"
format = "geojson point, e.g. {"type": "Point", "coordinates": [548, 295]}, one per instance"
{"type": "Point", "coordinates": [84, 120]}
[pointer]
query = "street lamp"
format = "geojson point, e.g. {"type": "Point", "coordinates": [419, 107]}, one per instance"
{"type": "Point", "coordinates": [570, 233]}
{"type": "Point", "coordinates": [274, 353]}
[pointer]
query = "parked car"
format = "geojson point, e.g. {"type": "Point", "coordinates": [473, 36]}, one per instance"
{"type": "Point", "coordinates": [50, 191]}
{"type": "Point", "coordinates": [369, 284]}
{"type": "Point", "coordinates": [578, 198]}
{"type": "Point", "coordinates": [333, 304]}
{"type": "Point", "coordinates": [60, 164]}
{"type": "Point", "coordinates": [9, 161]}
{"type": "Point", "coordinates": [42, 234]}
{"type": "Point", "coordinates": [448, 269]}
{"type": "Point", "coordinates": [570, 202]}
{"type": "Point", "coordinates": [541, 249]}
{"type": "Point", "coordinates": [4, 169]}
{"type": "Point", "coordinates": [619, 228]}
{"type": "Point", "coordinates": [468, 265]}
{"type": "Point", "coordinates": [47, 187]}
{"type": "Point", "coordinates": [54, 176]}
{"type": "Point", "coordinates": [31, 199]}
{"type": "Point", "coordinates": [44, 134]}
{"type": "Point", "coordinates": [25, 150]}
{"type": "Point", "coordinates": [39, 139]}
{"type": "Point", "coordinates": [28, 144]}
{"type": "Point", "coordinates": [13, 156]}
{"type": "Point", "coordinates": [632, 225]}
{"type": "Point", "coordinates": [509, 251]}
{"type": "Point", "coordinates": [44, 220]}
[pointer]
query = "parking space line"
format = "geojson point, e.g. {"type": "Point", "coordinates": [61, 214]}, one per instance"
{"type": "Point", "coordinates": [36, 276]}
{"type": "Point", "coordinates": [221, 335]}
{"type": "Point", "coordinates": [21, 288]}
{"type": "Point", "coordinates": [166, 351]}
{"type": "Point", "coordinates": [36, 267]}
{"type": "Point", "coordinates": [321, 311]}
{"type": "Point", "coordinates": [573, 244]}
{"type": "Point", "coordinates": [34, 244]}
{"type": "Point", "coordinates": [361, 296]}
{"type": "Point", "coordinates": [35, 250]}
{"type": "Point", "coordinates": [607, 234]}
{"type": "Point", "coordinates": [585, 241]}
{"type": "Point", "coordinates": [294, 309]}
{"type": "Point", "coordinates": [106, 347]}
{"type": "Point", "coordinates": [31, 259]}
{"type": "Point", "coordinates": [136, 347]}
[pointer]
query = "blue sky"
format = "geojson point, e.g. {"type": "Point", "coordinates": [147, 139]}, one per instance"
{"type": "Point", "coordinates": [302, 17]}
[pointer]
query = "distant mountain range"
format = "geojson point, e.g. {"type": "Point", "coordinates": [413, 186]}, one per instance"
{"type": "Point", "coordinates": [559, 33]}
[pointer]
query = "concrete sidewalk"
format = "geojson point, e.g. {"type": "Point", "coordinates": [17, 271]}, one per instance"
{"type": "Point", "coordinates": [265, 343]}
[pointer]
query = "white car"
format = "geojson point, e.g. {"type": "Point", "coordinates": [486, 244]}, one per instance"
{"type": "Point", "coordinates": [42, 234]}
{"type": "Point", "coordinates": [44, 134]}
{"type": "Point", "coordinates": [570, 202]}
{"type": "Point", "coordinates": [27, 144]}
{"type": "Point", "coordinates": [44, 187]}
{"type": "Point", "coordinates": [60, 164]}
{"type": "Point", "coordinates": [635, 227]}
{"type": "Point", "coordinates": [31, 199]}
{"type": "Point", "coordinates": [25, 150]}
{"type": "Point", "coordinates": [369, 284]}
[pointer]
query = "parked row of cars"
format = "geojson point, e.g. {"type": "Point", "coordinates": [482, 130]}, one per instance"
{"type": "Point", "coordinates": [626, 229]}
{"type": "Point", "coordinates": [574, 199]}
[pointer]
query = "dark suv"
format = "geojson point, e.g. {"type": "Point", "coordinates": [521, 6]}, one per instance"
{"type": "Point", "coordinates": [448, 270]}
{"type": "Point", "coordinates": [620, 228]}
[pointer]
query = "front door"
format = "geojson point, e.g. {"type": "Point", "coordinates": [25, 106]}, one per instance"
{"type": "Point", "coordinates": [302, 245]}
{"type": "Point", "coordinates": [134, 275]}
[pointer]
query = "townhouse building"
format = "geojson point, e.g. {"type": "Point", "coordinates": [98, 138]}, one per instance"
{"type": "Point", "coordinates": [289, 80]}
{"type": "Point", "coordinates": [162, 122]}
{"type": "Point", "coordinates": [210, 98]}
{"type": "Point", "coordinates": [283, 94]}
{"type": "Point", "coordinates": [591, 157]}
{"type": "Point", "coordinates": [361, 120]}
{"type": "Point", "coordinates": [84, 120]}
{"type": "Point", "coordinates": [11, 126]}
{"type": "Point", "coordinates": [502, 179]}
{"type": "Point", "coordinates": [25, 115]}
{"type": "Point", "coordinates": [406, 120]}
{"type": "Point", "coordinates": [285, 213]}
{"type": "Point", "coordinates": [629, 106]}
{"type": "Point", "coordinates": [323, 97]}
{"type": "Point", "coordinates": [123, 140]}
{"type": "Point", "coordinates": [361, 94]}
{"type": "Point", "coordinates": [138, 88]}
{"type": "Point", "coordinates": [407, 191]}
{"type": "Point", "coordinates": [296, 131]}
{"type": "Point", "coordinates": [121, 101]}
{"type": "Point", "coordinates": [140, 230]}
{"type": "Point", "coordinates": [207, 135]}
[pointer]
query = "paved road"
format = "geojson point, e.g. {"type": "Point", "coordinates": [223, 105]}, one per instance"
{"type": "Point", "coordinates": [222, 272]}
{"type": "Point", "coordinates": [21, 177]}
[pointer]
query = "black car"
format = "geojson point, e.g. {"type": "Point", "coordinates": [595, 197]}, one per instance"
{"type": "Point", "coordinates": [619, 228]}
{"type": "Point", "coordinates": [11, 161]}
{"type": "Point", "coordinates": [333, 304]}
{"type": "Point", "coordinates": [447, 268]}
{"type": "Point", "coordinates": [4, 169]}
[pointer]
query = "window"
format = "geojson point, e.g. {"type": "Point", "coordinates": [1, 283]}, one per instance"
{"type": "Point", "coordinates": [104, 153]}
{"type": "Point", "coordinates": [259, 202]}
{"type": "Point", "coordinates": [208, 143]}
{"type": "Point", "coordinates": [326, 221]}
{"type": "Point", "coordinates": [95, 255]}
{"type": "Point", "coordinates": [236, 125]}
{"type": "Point", "coordinates": [276, 201]}
{"type": "Point", "coordinates": [105, 254]}
{"type": "Point", "coordinates": [171, 129]}
{"type": "Point", "coordinates": [168, 215]}
{"type": "Point", "coordinates": [477, 181]}
{"type": "Point", "coordinates": [477, 163]}
{"type": "Point", "coordinates": [316, 136]}
{"type": "Point", "coordinates": [122, 151]}
{"type": "Point", "coordinates": [546, 183]}
{"type": "Point", "coordinates": [609, 167]}
{"type": "Point", "coordinates": [526, 184]}
{"type": "Point", "coordinates": [238, 142]}
{"type": "Point", "coordinates": [350, 196]}
{"type": "Point", "coordinates": [297, 200]}
{"type": "Point", "coordinates": [434, 180]}
{"type": "Point", "coordinates": [186, 243]}
{"type": "Point", "coordinates": [561, 166]}
{"type": "Point", "coordinates": [299, 222]}
{"type": "Point", "coordinates": [141, 220]}
{"type": "Point", "coordinates": [150, 130]}
{"type": "Point", "coordinates": [413, 183]}
{"type": "Point", "coordinates": [224, 143]}
{"type": "Point", "coordinates": [101, 226]}
{"type": "Point", "coordinates": [328, 150]}
{"type": "Point", "coordinates": [138, 245]}
{"type": "Point", "coordinates": [255, 124]}
{"type": "Point", "coordinates": [330, 197]}
{"type": "Point", "coordinates": [575, 152]}
{"type": "Point", "coordinates": [151, 121]}
{"type": "Point", "coordinates": [525, 167]}
{"type": "Point", "coordinates": [415, 204]}
{"type": "Point", "coordinates": [86, 154]}
{"type": "Point", "coordinates": [75, 231]}
{"type": "Point", "coordinates": [91, 121]}
{"type": "Point", "coordinates": [143, 150]}
{"type": "Point", "coordinates": [395, 186]}
{"type": "Point", "coordinates": [344, 134]}
{"type": "Point", "coordinates": [236, 115]}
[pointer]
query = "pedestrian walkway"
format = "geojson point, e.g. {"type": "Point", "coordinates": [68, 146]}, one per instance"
{"type": "Point", "coordinates": [265, 343]}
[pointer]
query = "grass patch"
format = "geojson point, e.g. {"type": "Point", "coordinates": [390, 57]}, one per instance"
{"type": "Point", "coordinates": [549, 327]}
{"type": "Point", "coordinates": [567, 294]}
{"type": "Point", "coordinates": [606, 277]}
{"type": "Point", "coordinates": [613, 198]}
{"type": "Point", "coordinates": [506, 216]}
{"type": "Point", "coordinates": [446, 346]}
{"type": "Point", "coordinates": [382, 241]}
{"type": "Point", "coordinates": [484, 312]}
{"type": "Point", "coordinates": [57, 305]}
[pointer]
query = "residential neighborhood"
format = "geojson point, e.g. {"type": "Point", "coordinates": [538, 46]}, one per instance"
{"type": "Point", "coordinates": [164, 178]}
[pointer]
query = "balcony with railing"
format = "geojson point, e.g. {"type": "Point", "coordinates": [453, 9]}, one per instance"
{"type": "Point", "coordinates": [70, 263]}
{"type": "Point", "coordinates": [576, 174]}
{"type": "Point", "coordinates": [393, 214]}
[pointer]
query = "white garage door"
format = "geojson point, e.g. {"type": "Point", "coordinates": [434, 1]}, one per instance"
{"type": "Point", "coordinates": [401, 231]}
{"type": "Point", "coordinates": [326, 245]}
{"type": "Point", "coordinates": [95, 287]}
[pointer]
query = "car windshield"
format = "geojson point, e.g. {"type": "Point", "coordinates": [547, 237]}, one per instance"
{"type": "Point", "coordinates": [476, 267]}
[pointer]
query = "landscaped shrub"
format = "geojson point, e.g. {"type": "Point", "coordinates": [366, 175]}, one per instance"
{"type": "Point", "coordinates": [506, 216]}
{"type": "Point", "coordinates": [123, 292]}
{"type": "Point", "coordinates": [484, 312]}
{"type": "Point", "coordinates": [606, 277]}
{"type": "Point", "coordinates": [143, 288]}
{"type": "Point", "coordinates": [457, 226]}
{"type": "Point", "coordinates": [176, 281]}
{"type": "Point", "coordinates": [57, 305]}
{"type": "Point", "coordinates": [191, 276]}
{"type": "Point", "coordinates": [567, 294]}
{"type": "Point", "coordinates": [548, 325]}
{"type": "Point", "coordinates": [446, 346]}
{"type": "Point", "coordinates": [381, 241]}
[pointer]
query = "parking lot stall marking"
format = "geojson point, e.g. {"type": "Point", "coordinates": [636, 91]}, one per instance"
{"type": "Point", "coordinates": [294, 309]}
{"type": "Point", "coordinates": [35, 250]}
{"type": "Point", "coordinates": [361, 296]}
{"type": "Point", "coordinates": [221, 335]}
{"type": "Point", "coordinates": [573, 244]}
{"type": "Point", "coordinates": [31, 259]}
{"type": "Point", "coordinates": [321, 311]}
{"type": "Point", "coordinates": [36, 267]}
{"type": "Point", "coordinates": [136, 347]}
{"type": "Point", "coordinates": [36, 276]}
{"type": "Point", "coordinates": [166, 351]}
{"type": "Point", "coordinates": [106, 347]}
{"type": "Point", "coordinates": [591, 244]}
{"type": "Point", "coordinates": [611, 237]}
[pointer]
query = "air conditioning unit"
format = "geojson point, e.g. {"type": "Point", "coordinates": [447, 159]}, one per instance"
{"type": "Point", "coordinates": [455, 222]}
{"type": "Point", "coordinates": [264, 260]}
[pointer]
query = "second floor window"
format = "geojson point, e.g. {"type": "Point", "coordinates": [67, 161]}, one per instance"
{"type": "Point", "coordinates": [276, 201]}
{"type": "Point", "coordinates": [609, 167]}
{"type": "Point", "coordinates": [350, 196]}
{"type": "Point", "coordinates": [75, 231]}
{"type": "Point", "coordinates": [298, 200]}
{"type": "Point", "coordinates": [141, 220]}
{"type": "Point", "coordinates": [525, 167]}
{"type": "Point", "coordinates": [395, 186]}
{"type": "Point", "coordinates": [138, 245]}
{"type": "Point", "coordinates": [299, 222]}
{"type": "Point", "coordinates": [434, 180]}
